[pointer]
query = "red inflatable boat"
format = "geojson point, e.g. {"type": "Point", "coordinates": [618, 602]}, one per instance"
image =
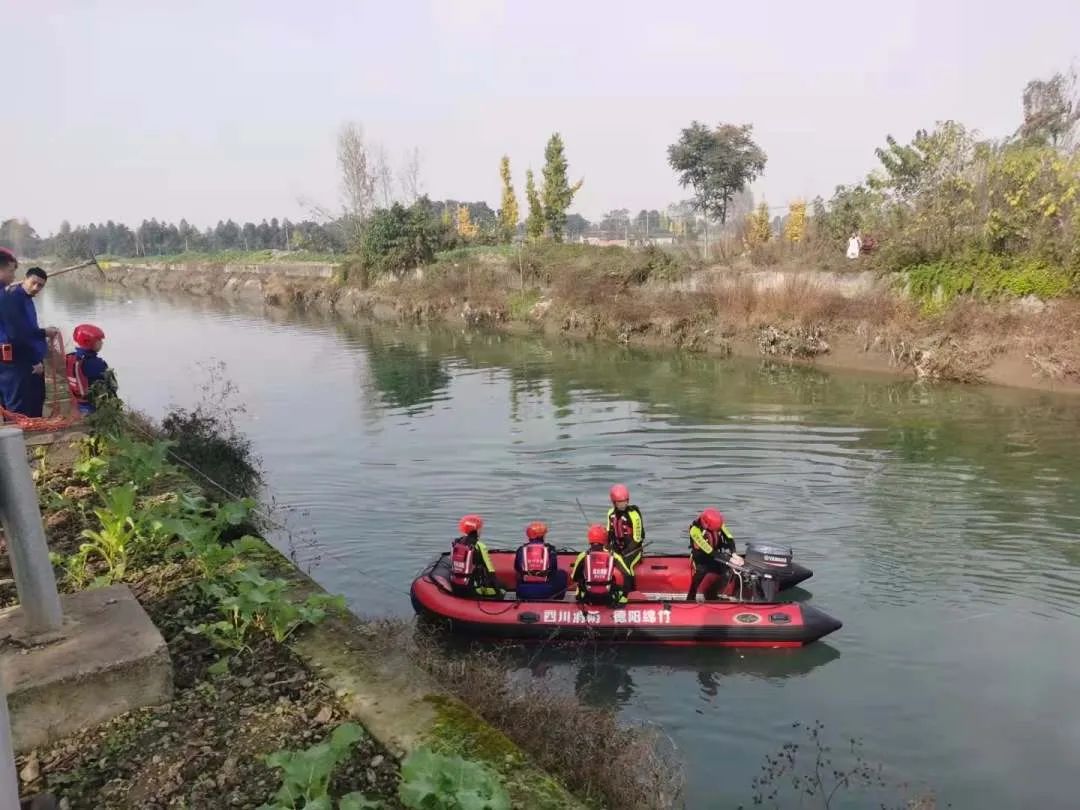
{"type": "Point", "coordinates": [656, 613]}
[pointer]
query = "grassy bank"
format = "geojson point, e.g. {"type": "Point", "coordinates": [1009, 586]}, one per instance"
{"type": "Point", "coordinates": [221, 598]}
{"type": "Point", "coordinates": [906, 322]}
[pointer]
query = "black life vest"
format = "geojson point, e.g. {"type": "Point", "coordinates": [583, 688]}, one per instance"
{"type": "Point", "coordinates": [535, 559]}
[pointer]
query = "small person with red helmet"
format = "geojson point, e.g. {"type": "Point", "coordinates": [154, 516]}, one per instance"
{"type": "Point", "coordinates": [471, 571]}
{"type": "Point", "coordinates": [625, 527]}
{"type": "Point", "coordinates": [600, 573]}
{"type": "Point", "coordinates": [537, 566]}
{"type": "Point", "coordinates": [712, 549]}
{"type": "Point", "coordinates": [89, 376]}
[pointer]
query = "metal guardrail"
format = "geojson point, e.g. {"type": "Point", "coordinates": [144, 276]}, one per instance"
{"type": "Point", "coordinates": [34, 578]}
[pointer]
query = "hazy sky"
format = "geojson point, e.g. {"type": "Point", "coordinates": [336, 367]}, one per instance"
{"type": "Point", "coordinates": [210, 110]}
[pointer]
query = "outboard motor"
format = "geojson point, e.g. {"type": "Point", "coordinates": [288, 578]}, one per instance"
{"type": "Point", "coordinates": [763, 556]}
{"type": "Point", "coordinates": [757, 585]}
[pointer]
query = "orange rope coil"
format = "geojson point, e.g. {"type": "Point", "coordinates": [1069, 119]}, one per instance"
{"type": "Point", "coordinates": [61, 409]}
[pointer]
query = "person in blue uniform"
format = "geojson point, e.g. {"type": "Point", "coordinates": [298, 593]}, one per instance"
{"type": "Point", "coordinates": [537, 566]}
{"type": "Point", "coordinates": [8, 265]}
{"type": "Point", "coordinates": [23, 354]}
{"type": "Point", "coordinates": [88, 375]}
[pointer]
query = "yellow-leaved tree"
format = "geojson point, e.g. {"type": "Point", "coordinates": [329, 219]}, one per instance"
{"type": "Point", "coordinates": [795, 227]}
{"type": "Point", "coordinates": [466, 228]}
{"type": "Point", "coordinates": [758, 227]}
{"type": "Point", "coordinates": [508, 209]}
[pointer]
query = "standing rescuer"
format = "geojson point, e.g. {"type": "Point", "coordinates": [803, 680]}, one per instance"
{"type": "Point", "coordinates": [23, 353]}
{"type": "Point", "coordinates": [625, 529]}
{"type": "Point", "coordinates": [599, 572]}
{"type": "Point", "coordinates": [712, 547]}
{"type": "Point", "coordinates": [8, 265]}
{"type": "Point", "coordinates": [471, 571]}
{"type": "Point", "coordinates": [88, 375]}
{"type": "Point", "coordinates": [537, 566]}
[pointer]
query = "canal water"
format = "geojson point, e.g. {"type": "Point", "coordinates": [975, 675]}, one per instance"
{"type": "Point", "coordinates": [941, 522]}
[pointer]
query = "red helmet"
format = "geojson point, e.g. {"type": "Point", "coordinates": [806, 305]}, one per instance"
{"type": "Point", "coordinates": [597, 533]}
{"type": "Point", "coordinates": [536, 530]}
{"type": "Point", "coordinates": [711, 519]}
{"type": "Point", "coordinates": [8, 256]}
{"type": "Point", "coordinates": [619, 492]}
{"type": "Point", "coordinates": [86, 335]}
{"type": "Point", "coordinates": [470, 524]}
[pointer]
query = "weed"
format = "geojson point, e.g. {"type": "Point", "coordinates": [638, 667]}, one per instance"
{"type": "Point", "coordinates": [306, 774]}
{"type": "Point", "coordinates": [139, 463]}
{"type": "Point", "coordinates": [798, 772]}
{"type": "Point", "coordinates": [641, 771]}
{"type": "Point", "coordinates": [113, 541]}
{"type": "Point", "coordinates": [432, 781]}
{"type": "Point", "coordinates": [206, 437]}
{"type": "Point", "coordinates": [250, 601]}
{"type": "Point", "coordinates": [521, 303]}
{"type": "Point", "coordinates": [92, 470]}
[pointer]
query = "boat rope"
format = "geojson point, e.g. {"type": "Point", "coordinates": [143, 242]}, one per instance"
{"type": "Point", "coordinates": [60, 409]}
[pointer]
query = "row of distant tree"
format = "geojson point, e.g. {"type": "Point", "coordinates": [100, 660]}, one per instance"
{"type": "Point", "coordinates": [154, 238]}
{"type": "Point", "coordinates": [157, 238]}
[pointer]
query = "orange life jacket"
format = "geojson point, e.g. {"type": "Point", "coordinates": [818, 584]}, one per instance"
{"type": "Point", "coordinates": [462, 562]}
{"type": "Point", "coordinates": [536, 559]}
{"type": "Point", "coordinates": [599, 572]}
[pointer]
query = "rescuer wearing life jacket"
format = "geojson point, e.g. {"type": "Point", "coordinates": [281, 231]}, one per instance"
{"type": "Point", "coordinates": [537, 566]}
{"type": "Point", "coordinates": [712, 547]}
{"type": "Point", "coordinates": [599, 572]}
{"type": "Point", "coordinates": [471, 570]}
{"type": "Point", "coordinates": [86, 369]}
{"type": "Point", "coordinates": [626, 529]}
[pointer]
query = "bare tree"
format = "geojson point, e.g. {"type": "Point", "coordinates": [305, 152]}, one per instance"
{"type": "Point", "coordinates": [409, 177]}
{"type": "Point", "coordinates": [357, 179]}
{"type": "Point", "coordinates": [384, 178]}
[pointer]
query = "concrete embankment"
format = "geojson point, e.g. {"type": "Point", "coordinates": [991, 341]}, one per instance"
{"type": "Point", "coordinates": [853, 321]}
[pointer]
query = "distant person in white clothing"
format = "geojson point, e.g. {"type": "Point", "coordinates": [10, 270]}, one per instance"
{"type": "Point", "coordinates": [854, 246]}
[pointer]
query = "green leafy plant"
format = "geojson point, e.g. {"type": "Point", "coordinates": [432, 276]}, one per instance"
{"type": "Point", "coordinates": [200, 525]}
{"type": "Point", "coordinates": [251, 601]}
{"type": "Point", "coordinates": [139, 463]}
{"type": "Point", "coordinates": [112, 541]}
{"type": "Point", "coordinates": [432, 781]}
{"type": "Point", "coordinates": [92, 470]}
{"type": "Point", "coordinates": [358, 801]}
{"type": "Point", "coordinates": [306, 774]}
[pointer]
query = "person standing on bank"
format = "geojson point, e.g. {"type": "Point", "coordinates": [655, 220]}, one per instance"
{"type": "Point", "coordinates": [8, 265]}
{"type": "Point", "coordinates": [26, 348]}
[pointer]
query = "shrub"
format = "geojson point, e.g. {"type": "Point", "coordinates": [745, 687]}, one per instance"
{"type": "Point", "coordinates": [207, 438]}
{"type": "Point", "coordinates": [397, 239]}
{"type": "Point", "coordinates": [986, 276]}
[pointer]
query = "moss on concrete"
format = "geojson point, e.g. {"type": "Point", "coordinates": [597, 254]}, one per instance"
{"type": "Point", "coordinates": [459, 730]}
